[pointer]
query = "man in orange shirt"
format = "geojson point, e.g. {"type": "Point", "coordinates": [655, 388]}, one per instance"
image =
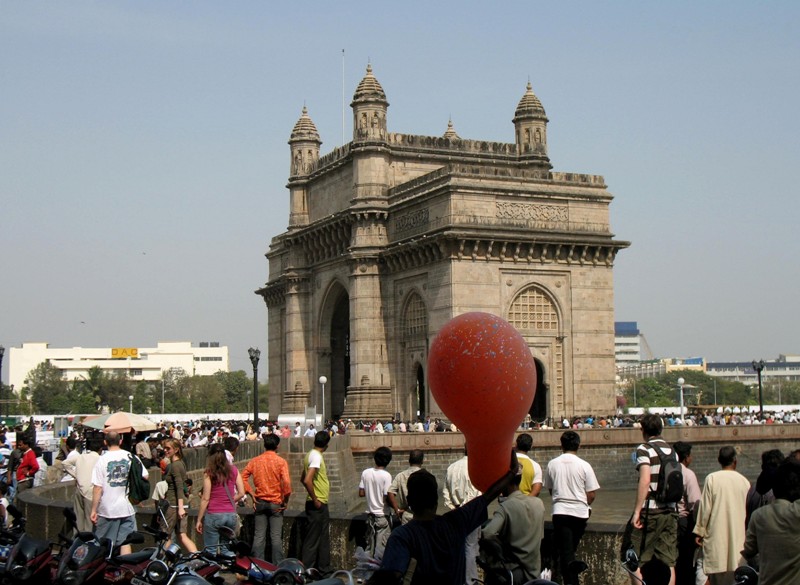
{"type": "Point", "coordinates": [270, 474]}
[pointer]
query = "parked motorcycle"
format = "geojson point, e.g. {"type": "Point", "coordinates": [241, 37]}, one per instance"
{"type": "Point", "coordinates": [198, 568]}
{"type": "Point", "coordinates": [32, 560]}
{"type": "Point", "coordinates": [10, 535]}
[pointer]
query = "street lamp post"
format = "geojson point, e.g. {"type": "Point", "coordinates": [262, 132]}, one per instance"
{"type": "Point", "coordinates": [681, 382]}
{"type": "Point", "coordinates": [2, 353]}
{"type": "Point", "coordinates": [323, 380]}
{"type": "Point", "coordinates": [255, 355]}
{"type": "Point", "coordinates": [130, 403]}
{"type": "Point", "coordinates": [758, 366]}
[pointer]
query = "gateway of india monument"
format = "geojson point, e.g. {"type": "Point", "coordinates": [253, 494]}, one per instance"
{"type": "Point", "coordinates": [392, 235]}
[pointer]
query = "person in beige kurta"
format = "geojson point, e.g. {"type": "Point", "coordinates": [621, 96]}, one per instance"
{"type": "Point", "coordinates": [720, 526]}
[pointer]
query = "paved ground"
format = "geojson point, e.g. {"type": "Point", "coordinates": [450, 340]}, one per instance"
{"type": "Point", "coordinates": [611, 510]}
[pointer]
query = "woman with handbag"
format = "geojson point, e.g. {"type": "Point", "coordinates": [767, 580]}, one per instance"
{"type": "Point", "coordinates": [222, 489]}
{"type": "Point", "coordinates": [177, 518]}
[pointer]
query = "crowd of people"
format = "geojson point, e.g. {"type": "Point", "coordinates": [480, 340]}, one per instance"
{"type": "Point", "coordinates": [699, 536]}
{"type": "Point", "coordinates": [702, 536]}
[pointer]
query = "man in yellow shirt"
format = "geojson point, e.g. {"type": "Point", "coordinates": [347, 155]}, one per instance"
{"type": "Point", "coordinates": [532, 475]}
{"type": "Point", "coordinates": [316, 550]}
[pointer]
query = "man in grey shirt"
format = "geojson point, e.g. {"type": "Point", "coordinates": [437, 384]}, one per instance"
{"type": "Point", "coordinates": [398, 491]}
{"type": "Point", "coordinates": [517, 526]}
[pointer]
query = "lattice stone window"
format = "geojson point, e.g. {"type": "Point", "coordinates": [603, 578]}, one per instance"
{"type": "Point", "coordinates": [532, 309]}
{"type": "Point", "coordinates": [415, 318]}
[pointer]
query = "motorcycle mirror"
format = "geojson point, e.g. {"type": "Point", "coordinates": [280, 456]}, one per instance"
{"type": "Point", "coordinates": [70, 515]}
{"type": "Point", "coordinates": [745, 575]}
{"type": "Point", "coordinates": [242, 548]}
{"type": "Point", "coordinates": [227, 532]}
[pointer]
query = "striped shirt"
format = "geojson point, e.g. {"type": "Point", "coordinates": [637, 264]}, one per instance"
{"type": "Point", "coordinates": [646, 455]}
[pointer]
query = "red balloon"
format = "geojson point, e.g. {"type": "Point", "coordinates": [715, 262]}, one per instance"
{"type": "Point", "coordinates": [482, 375]}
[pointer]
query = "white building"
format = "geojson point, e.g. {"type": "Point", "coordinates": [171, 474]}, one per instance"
{"type": "Point", "coordinates": [139, 363]}
{"type": "Point", "coordinates": [627, 344]}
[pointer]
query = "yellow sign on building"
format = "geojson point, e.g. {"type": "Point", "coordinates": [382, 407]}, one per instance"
{"type": "Point", "coordinates": [124, 352]}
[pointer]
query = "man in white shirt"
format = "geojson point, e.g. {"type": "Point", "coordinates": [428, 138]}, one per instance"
{"type": "Point", "coordinates": [310, 431]}
{"type": "Point", "coordinates": [573, 484]}
{"type": "Point", "coordinates": [68, 465]}
{"type": "Point", "coordinates": [112, 514]}
{"type": "Point", "coordinates": [374, 485]}
{"type": "Point", "coordinates": [458, 490]}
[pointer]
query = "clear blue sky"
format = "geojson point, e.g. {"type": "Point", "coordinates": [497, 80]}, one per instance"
{"type": "Point", "coordinates": [143, 155]}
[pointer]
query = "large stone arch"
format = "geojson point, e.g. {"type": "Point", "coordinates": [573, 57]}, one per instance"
{"type": "Point", "coordinates": [536, 314]}
{"type": "Point", "coordinates": [334, 349]}
{"type": "Point", "coordinates": [414, 397]}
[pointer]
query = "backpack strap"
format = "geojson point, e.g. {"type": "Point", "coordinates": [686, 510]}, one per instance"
{"type": "Point", "coordinates": [128, 479]}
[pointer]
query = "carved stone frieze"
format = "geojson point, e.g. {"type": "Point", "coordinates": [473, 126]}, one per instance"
{"type": "Point", "coordinates": [532, 212]}
{"type": "Point", "coordinates": [411, 220]}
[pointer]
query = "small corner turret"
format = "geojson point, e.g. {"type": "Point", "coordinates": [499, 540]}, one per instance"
{"type": "Point", "coordinates": [304, 143]}
{"type": "Point", "coordinates": [369, 110]}
{"type": "Point", "coordinates": [530, 125]}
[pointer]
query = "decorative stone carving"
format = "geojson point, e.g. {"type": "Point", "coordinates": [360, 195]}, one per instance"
{"type": "Point", "coordinates": [411, 220]}
{"type": "Point", "coordinates": [532, 212]}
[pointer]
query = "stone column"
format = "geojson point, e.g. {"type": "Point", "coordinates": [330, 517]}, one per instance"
{"type": "Point", "coordinates": [369, 394]}
{"type": "Point", "coordinates": [296, 395]}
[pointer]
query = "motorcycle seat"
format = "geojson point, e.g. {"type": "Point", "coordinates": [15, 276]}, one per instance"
{"type": "Point", "coordinates": [135, 558]}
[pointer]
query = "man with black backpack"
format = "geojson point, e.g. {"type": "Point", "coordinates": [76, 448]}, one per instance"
{"type": "Point", "coordinates": [112, 513]}
{"type": "Point", "coordinates": [660, 487]}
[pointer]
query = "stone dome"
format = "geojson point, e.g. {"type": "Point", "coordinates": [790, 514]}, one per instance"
{"type": "Point", "coordinates": [529, 104]}
{"type": "Point", "coordinates": [451, 131]}
{"type": "Point", "coordinates": [369, 89]}
{"type": "Point", "coordinates": [305, 128]}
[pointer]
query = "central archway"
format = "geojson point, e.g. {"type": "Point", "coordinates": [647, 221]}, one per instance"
{"type": "Point", "coordinates": [419, 393]}
{"type": "Point", "coordinates": [538, 409]}
{"type": "Point", "coordinates": [340, 355]}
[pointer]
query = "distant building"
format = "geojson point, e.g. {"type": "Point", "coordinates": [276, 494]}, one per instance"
{"type": "Point", "coordinates": [138, 363]}
{"type": "Point", "coordinates": [653, 368]}
{"type": "Point", "coordinates": [785, 368]}
{"type": "Point", "coordinates": [627, 343]}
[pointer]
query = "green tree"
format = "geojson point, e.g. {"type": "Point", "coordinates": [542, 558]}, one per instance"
{"type": "Point", "coordinates": [235, 386]}
{"type": "Point", "coordinates": [47, 389]}
{"type": "Point", "coordinates": [205, 394]}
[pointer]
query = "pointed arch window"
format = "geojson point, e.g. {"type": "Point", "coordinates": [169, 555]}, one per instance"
{"type": "Point", "coordinates": [415, 318]}
{"type": "Point", "coordinates": [533, 310]}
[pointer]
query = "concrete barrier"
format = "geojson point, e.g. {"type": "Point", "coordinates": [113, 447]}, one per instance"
{"type": "Point", "coordinates": [608, 450]}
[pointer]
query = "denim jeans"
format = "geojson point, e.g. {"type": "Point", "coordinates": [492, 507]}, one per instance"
{"type": "Point", "coordinates": [211, 526]}
{"type": "Point", "coordinates": [378, 531]}
{"type": "Point", "coordinates": [268, 515]}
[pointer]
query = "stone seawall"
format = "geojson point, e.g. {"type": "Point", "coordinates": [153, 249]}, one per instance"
{"type": "Point", "coordinates": [609, 452]}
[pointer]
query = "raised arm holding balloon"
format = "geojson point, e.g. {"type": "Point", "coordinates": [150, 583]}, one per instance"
{"type": "Point", "coordinates": [479, 368]}
{"type": "Point", "coordinates": [431, 547]}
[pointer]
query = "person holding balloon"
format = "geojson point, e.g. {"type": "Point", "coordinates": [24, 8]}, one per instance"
{"type": "Point", "coordinates": [479, 368]}
{"type": "Point", "coordinates": [436, 543]}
